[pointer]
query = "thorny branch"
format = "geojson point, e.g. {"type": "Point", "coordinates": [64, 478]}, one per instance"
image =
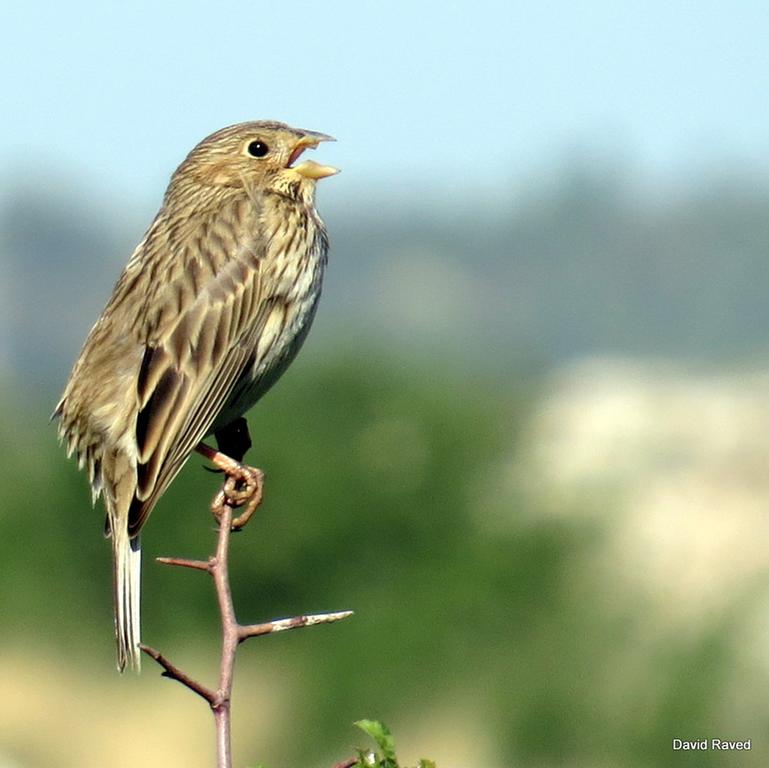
{"type": "Point", "coordinates": [233, 633]}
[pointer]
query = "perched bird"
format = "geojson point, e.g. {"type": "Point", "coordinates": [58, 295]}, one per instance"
{"type": "Point", "coordinates": [210, 310]}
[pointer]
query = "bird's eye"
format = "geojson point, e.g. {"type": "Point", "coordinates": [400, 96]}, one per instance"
{"type": "Point", "coordinates": [258, 149]}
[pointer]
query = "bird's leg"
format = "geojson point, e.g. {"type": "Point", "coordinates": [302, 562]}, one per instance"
{"type": "Point", "coordinates": [243, 485]}
{"type": "Point", "coordinates": [234, 439]}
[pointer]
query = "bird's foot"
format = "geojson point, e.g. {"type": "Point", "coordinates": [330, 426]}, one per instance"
{"type": "Point", "coordinates": [243, 486]}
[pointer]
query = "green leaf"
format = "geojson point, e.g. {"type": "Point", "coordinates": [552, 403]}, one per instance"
{"type": "Point", "coordinates": [380, 733]}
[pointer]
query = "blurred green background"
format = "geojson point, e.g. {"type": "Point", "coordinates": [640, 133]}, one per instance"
{"type": "Point", "coordinates": [526, 440]}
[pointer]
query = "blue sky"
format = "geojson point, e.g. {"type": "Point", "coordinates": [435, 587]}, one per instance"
{"type": "Point", "coordinates": [425, 97]}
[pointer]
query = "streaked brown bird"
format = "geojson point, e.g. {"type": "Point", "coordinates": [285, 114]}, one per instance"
{"type": "Point", "coordinates": [211, 308]}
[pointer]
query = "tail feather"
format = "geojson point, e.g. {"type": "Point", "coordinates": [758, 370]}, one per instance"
{"type": "Point", "coordinates": [127, 582]}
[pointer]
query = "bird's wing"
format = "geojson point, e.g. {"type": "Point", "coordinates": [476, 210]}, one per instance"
{"type": "Point", "coordinates": [189, 371]}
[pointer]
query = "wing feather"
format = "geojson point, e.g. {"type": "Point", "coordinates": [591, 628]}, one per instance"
{"type": "Point", "coordinates": [189, 370]}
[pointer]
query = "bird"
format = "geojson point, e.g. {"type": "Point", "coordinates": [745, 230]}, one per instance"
{"type": "Point", "coordinates": [211, 308]}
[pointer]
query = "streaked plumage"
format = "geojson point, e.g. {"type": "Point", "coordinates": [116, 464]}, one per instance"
{"type": "Point", "coordinates": [211, 308]}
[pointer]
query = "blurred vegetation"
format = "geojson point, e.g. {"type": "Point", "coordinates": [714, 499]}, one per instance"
{"type": "Point", "coordinates": [383, 495]}
{"type": "Point", "coordinates": [484, 626]}
{"type": "Point", "coordinates": [586, 262]}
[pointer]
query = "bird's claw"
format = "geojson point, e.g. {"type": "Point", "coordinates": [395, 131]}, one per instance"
{"type": "Point", "coordinates": [242, 488]}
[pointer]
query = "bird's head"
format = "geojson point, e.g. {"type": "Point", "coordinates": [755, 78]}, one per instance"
{"type": "Point", "coordinates": [257, 155]}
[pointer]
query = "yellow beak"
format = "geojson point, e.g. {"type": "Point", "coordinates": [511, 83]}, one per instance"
{"type": "Point", "coordinates": [309, 168]}
{"type": "Point", "coordinates": [312, 170]}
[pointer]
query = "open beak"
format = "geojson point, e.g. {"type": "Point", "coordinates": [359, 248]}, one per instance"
{"type": "Point", "coordinates": [309, 168]}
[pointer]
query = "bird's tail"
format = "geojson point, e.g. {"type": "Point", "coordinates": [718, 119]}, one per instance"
{"type": "Point", "coordinates": [127, 558]}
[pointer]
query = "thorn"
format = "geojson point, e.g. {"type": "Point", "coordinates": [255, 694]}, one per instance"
{"type": "Point", "coordinates": [198, 565]}
{"type": "Point", "coordinates": [281, 625]}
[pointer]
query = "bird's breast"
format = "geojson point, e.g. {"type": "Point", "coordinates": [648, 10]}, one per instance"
{"type": "Point", "coordinates": [291, 281]}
